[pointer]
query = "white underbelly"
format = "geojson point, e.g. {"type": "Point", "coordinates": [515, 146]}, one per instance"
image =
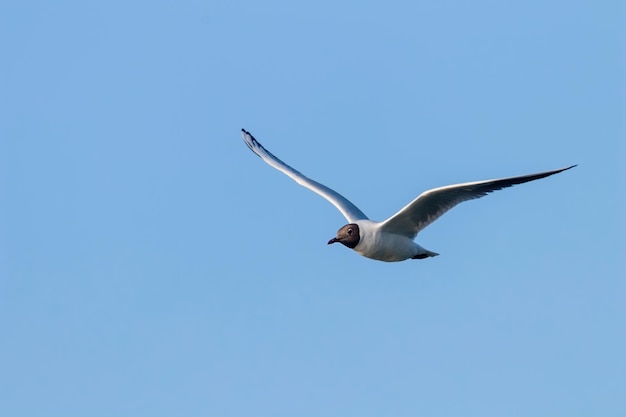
{"type": "Point", "coordinates": [387, 247]}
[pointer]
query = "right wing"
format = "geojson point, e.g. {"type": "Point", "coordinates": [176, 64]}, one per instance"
{"type": "Point", "coordinates": [349, 210]}
{"type": "Point", "coordinates": [432, 204]}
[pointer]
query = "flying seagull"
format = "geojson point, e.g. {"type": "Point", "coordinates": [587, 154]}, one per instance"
{"type": "Point", "coordinates": [392, 240]}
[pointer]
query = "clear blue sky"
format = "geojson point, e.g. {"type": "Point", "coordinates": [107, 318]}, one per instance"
{"type": "Point", "coordinates": [151, 265]}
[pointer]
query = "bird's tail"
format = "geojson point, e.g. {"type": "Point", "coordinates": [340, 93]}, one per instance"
{"type": "Point", "coordinates": [424, 253]}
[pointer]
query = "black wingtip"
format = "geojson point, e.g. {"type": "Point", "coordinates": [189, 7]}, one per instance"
{"type": "Point", "coordinates": [245, 132]}
{"type": "Point", "coordinates": [249, 134]}
{"type": "Point", "coordinates": [252, 143]}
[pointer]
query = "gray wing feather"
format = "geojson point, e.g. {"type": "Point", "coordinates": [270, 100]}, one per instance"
{"type": "Point", "coordinates": [349, 210]}
{"type": "Point", "coordinates": [432, 204]}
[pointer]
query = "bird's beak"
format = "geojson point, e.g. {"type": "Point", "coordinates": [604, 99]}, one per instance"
{"type": "Point", "coordinates": [333, 240]}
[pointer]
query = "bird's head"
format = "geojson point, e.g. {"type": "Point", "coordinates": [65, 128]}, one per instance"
{"type": "Point", "coordinates": [348, 236]}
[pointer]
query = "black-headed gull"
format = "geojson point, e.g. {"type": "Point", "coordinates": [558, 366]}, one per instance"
{"type": "Point", "coordinates": [392, 240]}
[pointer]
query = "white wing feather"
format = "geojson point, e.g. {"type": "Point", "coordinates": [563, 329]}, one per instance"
{"type": "Point", "coordinates": [432, 204]}
{"type": "Point", "coordinates": [349, 210]}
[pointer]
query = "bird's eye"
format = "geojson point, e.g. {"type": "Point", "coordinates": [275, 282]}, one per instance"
{"type": "Point", "coordinates": [350, 231]}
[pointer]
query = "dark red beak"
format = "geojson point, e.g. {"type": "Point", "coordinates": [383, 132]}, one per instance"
{"type": "Point", "coordinates": [333, 240]}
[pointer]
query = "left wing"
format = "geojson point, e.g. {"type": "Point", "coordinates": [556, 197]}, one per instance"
{"type": "Point", "coordinates": [349, 210]}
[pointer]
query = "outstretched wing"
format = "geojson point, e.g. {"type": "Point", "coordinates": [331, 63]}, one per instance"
{"type": "Point", "coordinates": [432, 204]}
{"type": "Point", "coordinates": [349, 210]}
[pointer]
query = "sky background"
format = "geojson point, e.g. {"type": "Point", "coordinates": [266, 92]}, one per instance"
{"type": "Point", "coordinates": [151, 265]}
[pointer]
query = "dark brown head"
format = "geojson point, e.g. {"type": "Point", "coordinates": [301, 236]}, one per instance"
{"type": "Point", "coordinates": [347, 235]}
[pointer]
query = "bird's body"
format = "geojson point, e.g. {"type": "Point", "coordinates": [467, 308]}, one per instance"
{"type": "Point", "coordinates": [376, 243]}
{"type": "Point", "coordinates": [392, 240]}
